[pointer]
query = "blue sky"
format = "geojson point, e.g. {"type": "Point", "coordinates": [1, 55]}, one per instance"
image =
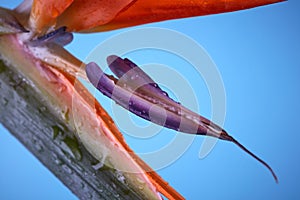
{"type": "Point", "coordinates": [257, 53]}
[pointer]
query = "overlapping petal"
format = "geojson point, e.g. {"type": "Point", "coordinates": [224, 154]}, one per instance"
{"type": "Point", "coordinates": [105, 15]}
{"type": "Point", "coordinates": [147, 11]}
{"type": "Point", "coordinates": [86, 14]}
{"type": "Point", "coordinates": [44, 13]}
{"type": "Point", "coordinates": [76, 14]}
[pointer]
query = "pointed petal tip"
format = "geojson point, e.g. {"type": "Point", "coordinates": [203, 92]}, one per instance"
{"type": "Point", "coordinates": [93, 73]}
{"type": "Point", "coordinates": [117, 65]}
{"type": "Point", "coordinates": [275, 177]}
{"type": "Point", "coordinates": [110, 59]}
{"type": "Point", "coordinates": [255, 157]}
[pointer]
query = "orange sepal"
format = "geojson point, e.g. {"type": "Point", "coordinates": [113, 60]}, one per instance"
{"type": "Point", "coordinates": [44, 13]}
{"type": "Point", "coordinates": [86, 14]}
{"type": "Point", "coordinates": [147, 11]}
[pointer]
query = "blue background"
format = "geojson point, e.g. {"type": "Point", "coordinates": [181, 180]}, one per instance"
{"type": "Point", "coordinates": [257, 52]}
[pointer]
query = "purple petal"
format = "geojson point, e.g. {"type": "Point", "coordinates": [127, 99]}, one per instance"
{"type": "Point", "coordinates": [58, 36]}
{"type": "Point", "coordinates": [135, 79]}
{"type": "Point", "coordinates": [99, 79]}
{"type": "Point", "coordinates": [148, 104]}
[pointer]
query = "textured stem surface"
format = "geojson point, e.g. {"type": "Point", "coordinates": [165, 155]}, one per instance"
{"type": "Point", "coordinates": [24, 113]}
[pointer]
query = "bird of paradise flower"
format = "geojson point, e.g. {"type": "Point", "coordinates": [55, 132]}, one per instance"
{"type": "Point", "coordinates": [33, 35]}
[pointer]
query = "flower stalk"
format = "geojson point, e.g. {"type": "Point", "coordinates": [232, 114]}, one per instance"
{"type": "Point", "coordinates": [26, 115]}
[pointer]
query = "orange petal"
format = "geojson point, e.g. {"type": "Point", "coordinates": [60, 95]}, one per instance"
{"type": "Point", "coordinates": [146, 11]}
{"type": "Point", "coordinates": [86, 14]}
{"type": "Point", "coordinates": [44, 13]}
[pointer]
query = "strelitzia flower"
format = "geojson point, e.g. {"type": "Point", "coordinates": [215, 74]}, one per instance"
{"type": "Point", "coordinates": [32, 39]}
